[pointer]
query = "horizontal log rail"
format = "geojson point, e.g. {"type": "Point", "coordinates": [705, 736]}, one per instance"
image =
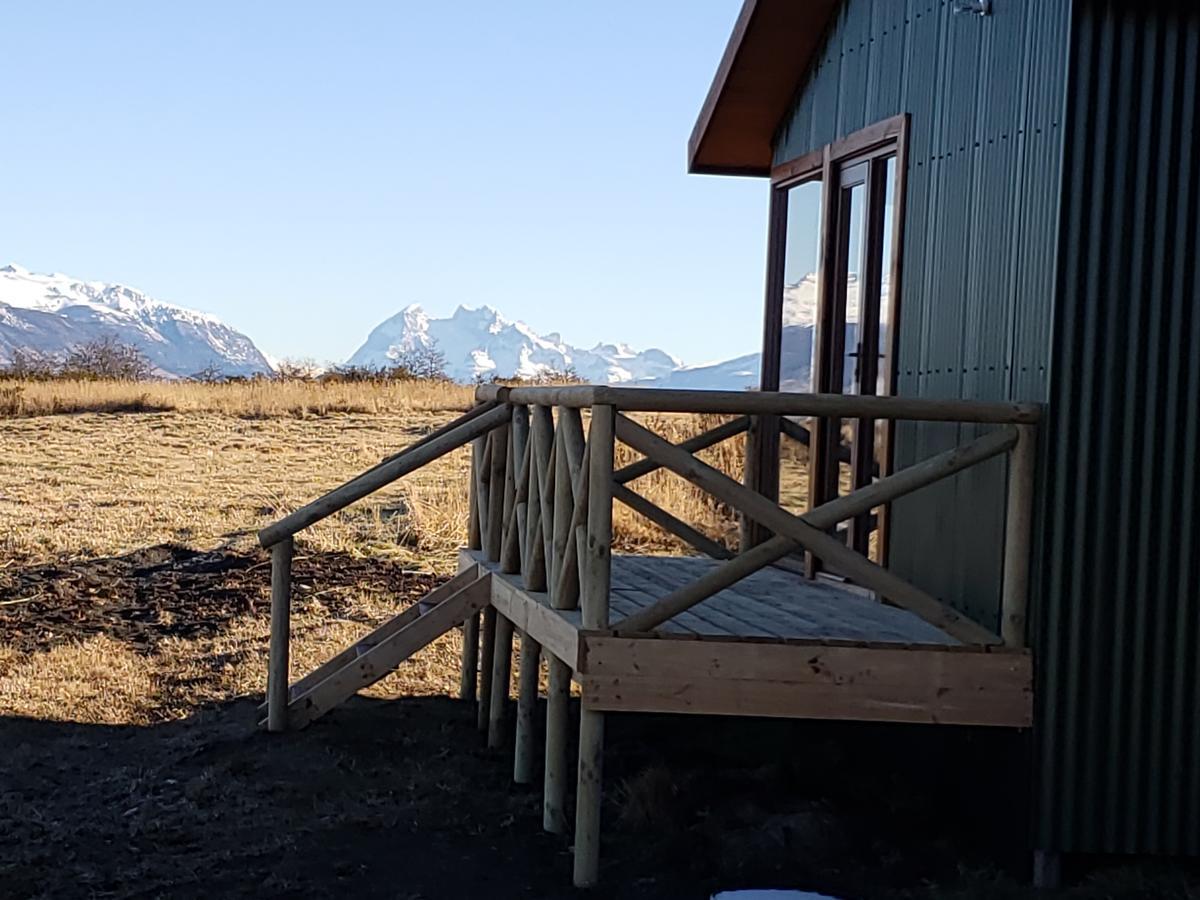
{"type": "Point", "coordinates": [781, 403]}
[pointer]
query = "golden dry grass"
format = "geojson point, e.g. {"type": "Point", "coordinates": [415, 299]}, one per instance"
{"type": "Point", "coordinates": [254, 399]}
{"type": "Point", "coordinates": [220, 463]}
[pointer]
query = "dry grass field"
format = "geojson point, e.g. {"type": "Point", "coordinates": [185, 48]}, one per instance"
{"type": "Point", "coordinates": [133, 638]}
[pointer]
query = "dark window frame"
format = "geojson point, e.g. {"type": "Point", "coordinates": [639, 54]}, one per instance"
{"type": "Point", "coordinates": [871, 145]}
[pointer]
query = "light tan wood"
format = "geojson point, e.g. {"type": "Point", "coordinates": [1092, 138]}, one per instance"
{"type": "Point", "coordinates": [556, 630]}
{"type": "Point", "coordinates": [542, 435]}
{"type": "Point", "coordinates": [533, 566]}
{"type": "Point", "coordinates": [567, 590]}
{"type": "Point", "coordinates": [670, 523]}
{"type": "Point", "coordinates": [481, 472]}
{"type": "Point", "coordinates": [588, 789]}
{"type": "Point", "coordinates": [281, 612]}
{"type": "Point", "coordinates": [380, 476]}
{"type": "Point", "coordinates": [576, 396]}
{"type": "Point", "coordinates": [568, 460]}
{"type": "Point", "coordinates": [554, 788]}
{"type": "Point", "coordinates": [474, 534]}
{"type": "Point", "coordinates": [818, 662]}
{"type": "Point", "coordinates": [931, 703]}
{"type": "Point", "coordinates": [501, 683]}
{"type": "Point", "coordinates": [527, 694]}
{"type": "Point", "coordinates": [514, 538]}
{"type": "Point", "coordinates": [1018, 533]}
{"type": "Point", "coordinates": [792, 531]}
{"type": "Point", "coordinates": [493, 537]}
{"type": "Point", "coordinates": [783, 403]}
{"type": "Point", "coordinates": [487, 650]}
{"type": "Point", "coordinates": [714, 436]}
{"type": "Point", "coordinates": [381, 658]}
{"type": "Point", "coordinates": [385, 630]}
{"type": "Point", "coordinates": [596, 566]}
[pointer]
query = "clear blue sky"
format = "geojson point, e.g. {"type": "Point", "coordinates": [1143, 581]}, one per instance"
{"type": "Point", "coordinates": [305, 170]}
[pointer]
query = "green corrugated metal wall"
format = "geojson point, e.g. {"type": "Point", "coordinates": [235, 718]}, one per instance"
{"type": "Point", "coordinates": [1000, 154]}
{"type": "Point", "coordinates": [985, 95]}
{"type": "Point", "coordinates": [1119, 606]}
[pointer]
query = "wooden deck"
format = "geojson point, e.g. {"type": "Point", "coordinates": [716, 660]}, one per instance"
{"type": "Point", "coordinates": [775, 644]}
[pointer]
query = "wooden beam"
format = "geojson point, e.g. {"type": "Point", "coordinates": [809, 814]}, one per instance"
{"type": "Point", "coordinates": [382, 475]}
{"type": "Point", "coordinates": [808, 531]}
{"type": "Point", "coordinates": [278, 674]}
{"type": "Point", "coordinates": [710, 438]}
{"type": "Point", "coordinates": [493, 538]}
{"type": "Point", "coordinates": [588, 792]}
{"type": "Point", "coordinates": [557, 631]}
{"type": "Point", "coordinates": [670, 523]}
{"type": "Point", "coordinates": [469, 672]}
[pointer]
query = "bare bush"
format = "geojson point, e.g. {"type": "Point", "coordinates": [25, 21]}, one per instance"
{"type": "Point", "coordinates": [105, 358]}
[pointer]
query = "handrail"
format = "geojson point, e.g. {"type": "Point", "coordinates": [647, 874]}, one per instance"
{"type": "Point", "coordinates": [466, 430]}
{"type": "Point", "coordinates": [782, 403]}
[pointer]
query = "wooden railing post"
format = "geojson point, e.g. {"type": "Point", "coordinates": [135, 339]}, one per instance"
{"type": "Point", "coordinates": [596, 565]}
{"type": "Point", "coordinates": [1018, 528]}
{"type": "Point", "coordinates": [277, 666]}
{"type": "Point", "coordinates": [493, 538]}
{"type": "Point", "coordinates": [595, 578]}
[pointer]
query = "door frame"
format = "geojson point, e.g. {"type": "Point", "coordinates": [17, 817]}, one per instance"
{"type": "Point", "coordinates": [876, 142]}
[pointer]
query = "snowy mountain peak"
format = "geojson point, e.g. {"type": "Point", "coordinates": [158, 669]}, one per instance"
{"type": "Point", "coordinates": [479, 342]}
{"type": "Point", "coordinates": [49, 314]}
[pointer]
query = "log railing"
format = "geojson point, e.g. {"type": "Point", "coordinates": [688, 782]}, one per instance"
{"type": "Point", "coordinates": [555, 490]}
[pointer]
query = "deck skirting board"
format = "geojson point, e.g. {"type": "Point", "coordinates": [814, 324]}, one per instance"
{"type": "Point", "coordinates": [861, 701]}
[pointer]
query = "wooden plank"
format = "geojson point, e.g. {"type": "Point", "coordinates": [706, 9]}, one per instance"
{"type": "Point", "coordinates": [382, 475]}
{"type": "Point", "coordinates": [806, 531]}
{"type": "Point", "coordinates": [383, 657]}
{"type": "Point", "coordinates": [281, 634]}
{"type": "Point", "coordinates": [383, 631]}
{"type": "Point", "coordinates": [670, 523]}
{"type": "Point", "coordinates": [728, 620]}
{"type": "Point", "coordinates": [818, 663]}
{"type": "Point", "coordinates": [556, 630]}
{"type": "Point", "coordinates": [933, 703]}
{"type": "Point", "coordinates": [630, 600]}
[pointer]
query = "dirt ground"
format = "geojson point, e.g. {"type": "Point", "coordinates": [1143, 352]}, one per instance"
{"type": "Point", "coordinates": [133, 636]}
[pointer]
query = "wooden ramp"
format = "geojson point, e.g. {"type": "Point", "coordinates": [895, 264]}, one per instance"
{"type": "Point", "coordinates": [372, 657]}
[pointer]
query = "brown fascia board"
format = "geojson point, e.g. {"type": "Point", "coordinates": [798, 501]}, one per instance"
{"type": "Point", "coordinates": [768, 54]}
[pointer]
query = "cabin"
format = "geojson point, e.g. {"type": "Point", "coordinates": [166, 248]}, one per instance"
{"type": "Point", "coordinates": [982, 319]}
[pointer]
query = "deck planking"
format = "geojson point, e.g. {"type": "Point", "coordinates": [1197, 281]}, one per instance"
{"type": "Point", "coordinates": [771, 603]}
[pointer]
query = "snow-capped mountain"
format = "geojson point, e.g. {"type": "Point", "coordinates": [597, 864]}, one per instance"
{"type": "Point", "coordinates": [480, 343]}
{"type": "Point", "coordinates": [50, 314]}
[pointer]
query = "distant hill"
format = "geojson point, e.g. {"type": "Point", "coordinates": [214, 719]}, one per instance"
{"type": "Point", "coordinates": [50, 314]}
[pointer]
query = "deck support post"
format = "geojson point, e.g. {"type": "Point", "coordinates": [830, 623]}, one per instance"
{"type": "Point", "coordinates": [1018, 536]}
{"type": "Point", "coordinates": [554, 796]}
{"type": "Point", "coordinates": [278, 673]}
{"type": "Point", "coordinates": [501, 680]}
{"type": "Point", "coordinates": [487, 650]}
{"type": "Point", "coordinates": [588, 798]}
{"type": "Point", "coordinates": [527, 692]}
{"type": "Point", "coordinates": [469, 675]}
{"type": "Point", "coordinates": [596, 568]}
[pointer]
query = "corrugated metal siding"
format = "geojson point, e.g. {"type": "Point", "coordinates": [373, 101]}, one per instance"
{"type": "Point", "coordinates": [985, 96]}
{"type": "Point", "coordinates": [1118, 621]}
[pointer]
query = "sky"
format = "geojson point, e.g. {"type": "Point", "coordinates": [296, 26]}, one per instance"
{"type": "Point", "coordinates": [305, 170]}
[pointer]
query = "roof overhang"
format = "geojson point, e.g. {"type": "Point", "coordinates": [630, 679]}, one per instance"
{"type": "Point", "coordinates": [769, 52]}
